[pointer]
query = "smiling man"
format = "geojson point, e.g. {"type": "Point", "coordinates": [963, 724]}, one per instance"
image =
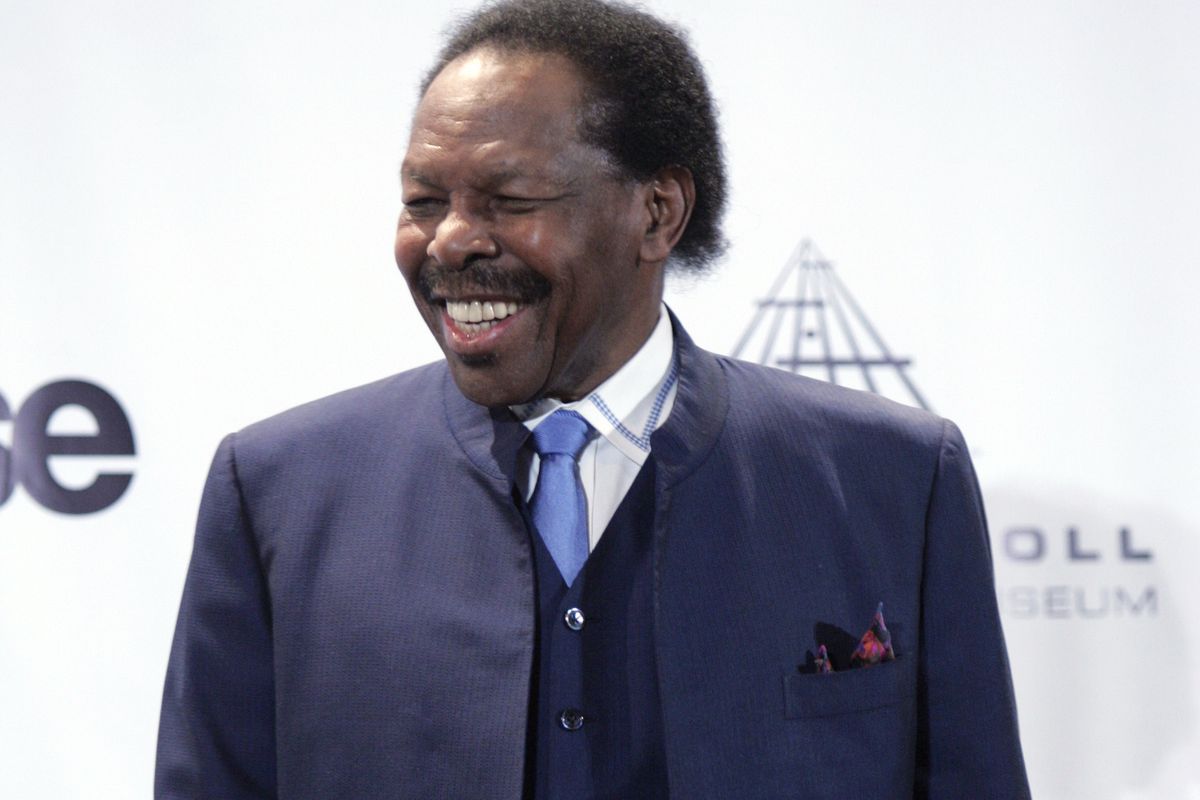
{"type": "Point", "coordinates": [581, 557]}
{"type": "Point", "coordinates": [506, 205]}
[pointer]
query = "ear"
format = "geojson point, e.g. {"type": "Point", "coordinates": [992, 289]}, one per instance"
{"type": "Point", "coordinates": [670, 197]}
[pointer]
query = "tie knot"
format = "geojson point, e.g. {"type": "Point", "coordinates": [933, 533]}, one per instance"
{"type": "Point", "coordinates": [561, 433]}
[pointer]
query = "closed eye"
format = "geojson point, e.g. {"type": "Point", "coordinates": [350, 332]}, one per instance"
{"type": "Point", "coordinates": [518, 205]}
{"type": "Point", "coordinates": [423, 206]}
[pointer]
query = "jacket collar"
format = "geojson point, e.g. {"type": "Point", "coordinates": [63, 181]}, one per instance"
{"type": "Point", "coordinates": [698, 416]}
{"type": "Point", "coordinates": [492, 437]}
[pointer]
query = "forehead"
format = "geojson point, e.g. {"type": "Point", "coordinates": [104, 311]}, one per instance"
{"type": "Point", "coordinates": [518, 109]}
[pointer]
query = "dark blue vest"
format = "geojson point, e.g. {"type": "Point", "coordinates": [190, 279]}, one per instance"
{"type": "Point", "coordinates": [595, 722]}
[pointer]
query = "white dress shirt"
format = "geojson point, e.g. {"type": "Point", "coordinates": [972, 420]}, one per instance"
{"type": "Point", "coordinates": [624, 410]}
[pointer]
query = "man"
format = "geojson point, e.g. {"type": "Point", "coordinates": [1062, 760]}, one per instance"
{"type": "Point", "coordinates": [402, 592]}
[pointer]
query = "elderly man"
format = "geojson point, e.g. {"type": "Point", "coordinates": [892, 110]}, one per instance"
{"type": "Point", "coordinates": [582, 557]}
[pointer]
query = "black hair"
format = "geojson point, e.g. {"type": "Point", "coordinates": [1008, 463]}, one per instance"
{"type": "Point", "coordinates": [648, 106]}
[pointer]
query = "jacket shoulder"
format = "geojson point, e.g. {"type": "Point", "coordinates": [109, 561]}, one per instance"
{"type": "Point", "coordinates": [770, 402]}
{"type": "Point", "coordinates": [348, 419]}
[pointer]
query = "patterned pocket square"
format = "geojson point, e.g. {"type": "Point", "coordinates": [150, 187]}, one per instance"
{"type": "Point", "coordinates": [875, 645]}
{"type": "Point", "coordinates": [822, 662]}
{"type": "Point", "coordinates": [872, 647]}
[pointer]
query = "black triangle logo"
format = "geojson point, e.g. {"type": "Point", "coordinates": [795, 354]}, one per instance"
{"type": "Point", "coordinates": [809, 323]}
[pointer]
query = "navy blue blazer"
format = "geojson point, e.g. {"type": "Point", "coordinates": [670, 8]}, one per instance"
{"type": "Point", "coordinates": [358, 616]}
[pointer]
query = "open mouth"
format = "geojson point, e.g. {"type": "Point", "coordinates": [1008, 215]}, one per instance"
{"type": "Point", "coordinates": [473, 317]}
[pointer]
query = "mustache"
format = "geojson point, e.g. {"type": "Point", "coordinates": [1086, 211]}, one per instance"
{"type": "Point", "coordinates": [521, 284]}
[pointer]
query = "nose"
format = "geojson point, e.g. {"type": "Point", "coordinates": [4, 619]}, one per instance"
{"type": "Point", "coordinates": [460, 237]}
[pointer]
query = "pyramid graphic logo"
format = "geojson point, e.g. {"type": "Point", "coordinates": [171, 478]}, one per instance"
{"type": "Point", "coordinates": [810, 324]}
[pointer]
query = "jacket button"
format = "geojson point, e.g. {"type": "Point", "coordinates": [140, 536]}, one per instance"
{"type": "Point", "coordinates": [571, 719]}
{"type": "Point", "coordinates": [574, 619]}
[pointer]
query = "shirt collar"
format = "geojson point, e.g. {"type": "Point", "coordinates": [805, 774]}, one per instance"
{"type": "Point", "coordinates": [632, 403]}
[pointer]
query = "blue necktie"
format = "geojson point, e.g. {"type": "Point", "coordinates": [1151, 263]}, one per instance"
{"type": "Point", "coordinates": [558, 504]}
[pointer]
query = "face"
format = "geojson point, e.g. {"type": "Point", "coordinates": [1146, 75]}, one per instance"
{"type": "Point", "coordinates": [521, 245]}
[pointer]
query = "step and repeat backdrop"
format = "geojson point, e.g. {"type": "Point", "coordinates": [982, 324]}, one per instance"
{"type": "Point", "coordinates": [989, 210]}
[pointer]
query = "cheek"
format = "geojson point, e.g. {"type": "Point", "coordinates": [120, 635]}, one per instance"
{"type": "Point", "coordinates": [410, 247]}
{"type": "Point", "coordinates": [535, 241]}
{"type": "Point", "coordinates": [533, 236]}
{"type": "Point", "coordinates": [554, 245]}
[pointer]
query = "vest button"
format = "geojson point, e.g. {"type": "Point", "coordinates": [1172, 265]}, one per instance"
{"type": "Point", "coordinates": [571, 719]}
{"type": "Point", "coordinates": [574, 619]}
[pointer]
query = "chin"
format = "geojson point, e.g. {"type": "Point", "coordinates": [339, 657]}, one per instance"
{"type": "Point", "coordinates": [478, 384]}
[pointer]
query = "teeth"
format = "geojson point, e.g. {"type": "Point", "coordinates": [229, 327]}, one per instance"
{"type": "Point", "coordinates": [478, 311]}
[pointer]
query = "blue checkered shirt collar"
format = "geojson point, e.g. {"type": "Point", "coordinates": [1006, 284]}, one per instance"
{"type": "Point", "coordinates": [632, 403]}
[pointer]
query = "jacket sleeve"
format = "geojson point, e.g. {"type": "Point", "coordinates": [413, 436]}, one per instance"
{"type": "Point", "coordinates": [217, 729]}
{"type": "Point", "coordinates": [968, 743]}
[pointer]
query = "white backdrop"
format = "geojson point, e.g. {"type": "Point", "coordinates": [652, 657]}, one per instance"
{"type": "Point", "coordinates": [196, 206]}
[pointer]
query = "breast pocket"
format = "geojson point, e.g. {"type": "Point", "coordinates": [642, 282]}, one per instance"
{"type": "Point", "coordinates": [851, 691]}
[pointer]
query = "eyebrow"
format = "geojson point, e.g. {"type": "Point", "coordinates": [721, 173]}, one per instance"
{"type": "Point", "coordinates": [496, 178]}
{"type": "Point", "coordinates": [407, 174]}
